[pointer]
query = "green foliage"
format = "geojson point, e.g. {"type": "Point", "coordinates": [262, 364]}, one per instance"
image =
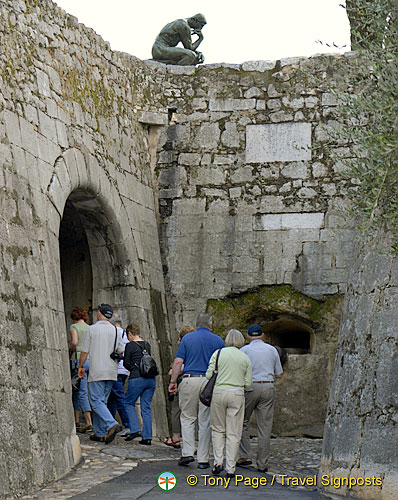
{"type": "Point", "coordinates": [370, 116]}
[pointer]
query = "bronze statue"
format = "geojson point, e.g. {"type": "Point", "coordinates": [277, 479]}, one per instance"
{"type": "Point", "coordinates": [164, 49]}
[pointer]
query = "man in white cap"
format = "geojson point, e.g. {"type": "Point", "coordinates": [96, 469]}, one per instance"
{"type": "Point", "coordinates": [266, 366]}
{"type": "Point", "coordinates": [100, 341]}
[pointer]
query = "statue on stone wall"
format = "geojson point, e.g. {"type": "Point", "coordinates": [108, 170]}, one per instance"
{"type": "Point", "coordinates": [164, 49]}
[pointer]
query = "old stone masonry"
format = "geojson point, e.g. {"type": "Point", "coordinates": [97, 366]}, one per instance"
{"type": "Point", "coordinates": [167, 191]}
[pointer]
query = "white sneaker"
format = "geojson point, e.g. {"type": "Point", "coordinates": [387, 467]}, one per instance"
{"type": "Point", "coordinates": [125, 432]}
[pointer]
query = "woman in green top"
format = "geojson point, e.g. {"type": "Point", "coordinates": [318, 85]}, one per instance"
{"type": "Point", "coordinates": [80, 399]}
{"type": "Point", "coordinates": [228, 402]}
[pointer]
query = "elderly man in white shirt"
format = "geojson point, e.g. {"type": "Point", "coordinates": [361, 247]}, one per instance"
{"type": "Point", "coordinates": [266, 367]}
{"type": "Point", "coordinates": [100, 341]}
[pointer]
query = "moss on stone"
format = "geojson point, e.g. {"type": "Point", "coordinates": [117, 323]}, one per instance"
{"type": "Point", "coordinates": [268, 303]}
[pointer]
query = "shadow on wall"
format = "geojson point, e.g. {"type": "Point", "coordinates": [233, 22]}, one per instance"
{"type": "Point", "coordinates": [308, 330]}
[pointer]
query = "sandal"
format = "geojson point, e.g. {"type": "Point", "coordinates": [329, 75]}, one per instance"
{"type": "Point", "coordinates": [174, 444]}
{"type": "Point", "coordinates": [85, 428]}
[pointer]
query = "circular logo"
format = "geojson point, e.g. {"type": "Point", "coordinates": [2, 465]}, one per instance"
{"type": "Point", "coordinates": [167, 481]}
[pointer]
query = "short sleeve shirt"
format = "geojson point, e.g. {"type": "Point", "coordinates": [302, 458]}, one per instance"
{"type": "Point", "coordinates": [99, 342]}
{"type": "Point", "coordinates": [265, 360]}
{"type": "Point", "coordinates": [196, 349]}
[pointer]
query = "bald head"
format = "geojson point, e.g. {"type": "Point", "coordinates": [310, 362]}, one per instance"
{"type": "Point", "coordinates": [197, 21]}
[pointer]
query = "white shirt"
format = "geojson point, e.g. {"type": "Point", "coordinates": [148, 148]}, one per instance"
{"type": "Point", "coordinates": [98, 342]}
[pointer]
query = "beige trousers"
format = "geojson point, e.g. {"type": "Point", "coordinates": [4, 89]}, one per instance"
{"type": "Point", "coordinates": [261, 401]}
{"type": "Point", "coordinates": [226, 420]}
{"type": "Point", "coordinates": [192, 411]}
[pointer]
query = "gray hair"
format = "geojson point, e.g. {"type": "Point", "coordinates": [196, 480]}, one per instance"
{"type": "Point", "coordinates": [203, 320]}
{"type": "Point", "coordinates": [234, 338]}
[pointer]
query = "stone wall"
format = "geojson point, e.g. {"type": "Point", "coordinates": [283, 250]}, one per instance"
{"type": "Point", "coordinates": [69, 136]}
{"type": "Point", "coordinates": [361, 439]}
{"type": "Point", "coordinates": [249, 184]}
{"type": "Point", "coordinates": [233, 167]}
{"type": "Point", "coordinates": [248, 180]}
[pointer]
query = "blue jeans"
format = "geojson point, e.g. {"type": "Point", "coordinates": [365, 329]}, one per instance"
{"type": "Point", "coordinates": [83, 391]}
{"type": "Point", "coordinates": [80, 397]}
{"type": "Point", "coordinates": [102, 417]}
{"type": "Point", "coordinates": [142, 388]}
{"type": "Point", "coordinates": [117, 400]}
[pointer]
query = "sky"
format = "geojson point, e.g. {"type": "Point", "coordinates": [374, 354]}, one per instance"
{"type": "Point", "coordinates": [235, 31]}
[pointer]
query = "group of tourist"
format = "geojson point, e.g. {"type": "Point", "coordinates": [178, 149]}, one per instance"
{"type": "Point", "coordinates": [245, 376]}
{"type": "Point", "coordinates": [245, 383]}
{"type": "Point", "coordinates": [102, 376]}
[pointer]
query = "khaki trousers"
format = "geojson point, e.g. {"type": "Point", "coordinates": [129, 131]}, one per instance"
{"type": "Point", "coordinates": [193, 410]}
{"type": "Point", "coordinates": [226, 420]}
{"type": "Point", "coordinates": [261, 401]}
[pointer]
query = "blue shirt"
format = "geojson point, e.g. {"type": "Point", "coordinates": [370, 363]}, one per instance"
{"type": "Point", "coordinates": [196, 349]}
{"type": "Point", "coordinates": [265, 360]}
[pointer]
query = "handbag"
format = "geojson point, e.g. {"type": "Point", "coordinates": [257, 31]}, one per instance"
{"type": "Point", "coordinates": [147, 367]}
{"type": "Point", "coordinates": [74, 370]}
{"type": "Point", "coordinates": [207, 393]}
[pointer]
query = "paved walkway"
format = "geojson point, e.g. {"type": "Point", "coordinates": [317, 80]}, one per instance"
{"type": "Point", "coordinates": [128, 471]}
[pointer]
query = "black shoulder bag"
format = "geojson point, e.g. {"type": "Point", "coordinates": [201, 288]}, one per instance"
{"type": "Point", "coordinates": [147, 366]}
{"type": "Point", "coordinates": [207, 393]}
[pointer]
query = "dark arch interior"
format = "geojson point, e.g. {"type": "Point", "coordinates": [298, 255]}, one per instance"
{"type": "Point", "coordinates": [76, 268]}
{"type": "Point", "coordinates": [293, 335]}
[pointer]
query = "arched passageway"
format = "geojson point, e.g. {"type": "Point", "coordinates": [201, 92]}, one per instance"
{"type": "Point", "coordinates": [75, 258]}
{"type": "Point", "coordinates": [92, 254]}
{"type": "Point", "coordinates": [291, 334]}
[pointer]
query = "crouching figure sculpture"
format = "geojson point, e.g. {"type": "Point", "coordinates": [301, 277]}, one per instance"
{"type": "Point", "coordinates": [165, 47]}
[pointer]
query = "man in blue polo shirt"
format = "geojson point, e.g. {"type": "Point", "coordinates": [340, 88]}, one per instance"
{"type": "Point", "coordinates": [194, 352]}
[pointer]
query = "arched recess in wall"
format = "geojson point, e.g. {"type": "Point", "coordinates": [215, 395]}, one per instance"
{"type": "Point", "coordinates": [308, 329]}
{"type": "Point", "coordinates": [89, 256]}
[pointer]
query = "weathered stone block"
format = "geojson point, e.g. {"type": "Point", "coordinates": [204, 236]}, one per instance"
{"type": "Point", "coordinates": [207, 175]}
{"type": "Point", "coordinates": [189, 159]}
{"type": "Point", "coordinates": [281, 221]}
{"type": "Point", "coordinates": [43, 83]}
{"type": "Point", "coordinates": [242, 174]}
{"type": "Point", "coordinates": [207, 136]}
{"type": "Point", "coordinates": [281, 116]}
{"type": "Point", "coordinates": [230, 136]}
{"type": "Point", "coordinates": [231, 104]}
{"type": "Point", "coordinates": [281, 142]}
{"type": "Point", "coordinates": [153, 118]}
{"type": "Point", "coordinates": [11, 121]}
{"type": "Point", "coordinates": [260, 66]}
{"type": "Point", "coordinates": [296, 170]}
{"type": "Point", "coordinates": [253, 92]}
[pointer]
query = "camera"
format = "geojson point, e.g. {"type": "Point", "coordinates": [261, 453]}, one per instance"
{"type": "Point", "coordinates": [116, 356]}
{"type": "Point", "coordinates": [171, 396]}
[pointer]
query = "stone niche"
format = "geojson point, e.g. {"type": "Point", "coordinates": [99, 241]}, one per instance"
{"type": "Point", "coordinates": [308, 330]}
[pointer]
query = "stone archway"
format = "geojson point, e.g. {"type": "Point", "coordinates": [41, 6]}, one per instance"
{"type": "Point", "coordinates": [75, 259]}
{"type": "Point", "coordinates": [91, 254]}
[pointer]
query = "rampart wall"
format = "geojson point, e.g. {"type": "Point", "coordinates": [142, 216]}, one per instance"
{"type": "Point", "coordinates": [361, 438]}
{"type": "Point", "coordinates": [69, 136]}
{"type": "Point", "coordinates": [196, 188]}
{"type": "Point", "coordinates": [249, 185]}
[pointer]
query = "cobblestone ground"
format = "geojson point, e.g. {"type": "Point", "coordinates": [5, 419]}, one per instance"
{"type": "Point", "coordinates": [291, 456]}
